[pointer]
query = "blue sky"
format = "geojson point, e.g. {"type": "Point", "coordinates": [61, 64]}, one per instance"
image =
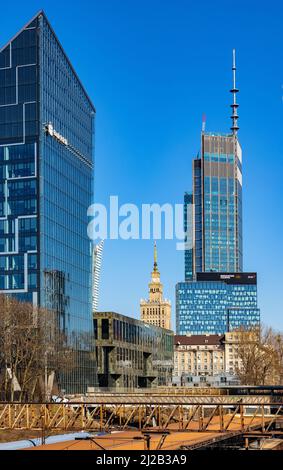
{"type": "Point", "coordinates": [152, 68]}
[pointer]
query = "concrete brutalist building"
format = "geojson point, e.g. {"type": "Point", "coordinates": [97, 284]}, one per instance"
{"type": "Point", "coordinates": [130, 353]}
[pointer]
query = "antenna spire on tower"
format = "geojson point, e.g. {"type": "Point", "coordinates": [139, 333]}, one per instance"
{"type": "Point", "coordinates": [203, 123]}
{"type": "Point", "coordinates": [155, 257]}
{"type": "Point", "coordinates": [235, 105]}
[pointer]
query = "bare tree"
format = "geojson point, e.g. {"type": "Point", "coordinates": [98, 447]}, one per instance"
{"type": "Point", "coordinates": [31, 347]}
{"type": "Point", "coordinates": [276, 343]}
{"type": "Point", "coordinates": [260, 353]}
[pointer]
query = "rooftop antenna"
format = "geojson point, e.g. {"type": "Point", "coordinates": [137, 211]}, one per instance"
{"type": "Point", "coordinates": [155, 258]}
{"type": "Point", "coordinates": [235, 105]}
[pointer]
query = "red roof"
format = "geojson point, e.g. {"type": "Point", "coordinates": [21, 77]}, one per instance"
{"type": "Point", "coordinates": [198, 340]}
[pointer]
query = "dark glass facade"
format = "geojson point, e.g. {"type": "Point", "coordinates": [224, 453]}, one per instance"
{"type": "Point", "coordinates": [46, 164]}
{"type": "Point", "coordinates": [215, 306]}
{"type": "Point", "coordinates": [188, 207]}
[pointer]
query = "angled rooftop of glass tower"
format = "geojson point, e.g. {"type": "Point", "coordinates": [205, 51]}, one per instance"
{"type": "Point", "coordinates": [46, 181]}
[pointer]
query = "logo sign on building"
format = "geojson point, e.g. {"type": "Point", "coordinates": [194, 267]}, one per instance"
{"type": "Point", "coordinates": [228, 278]}
{"type": "Point", "coordinates": [53, 133]}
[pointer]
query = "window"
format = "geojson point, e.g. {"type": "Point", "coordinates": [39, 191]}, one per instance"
{"type": "Point", "coordinates": [105, 328]}
{"type": "Point", "coordinates": [95, 328]}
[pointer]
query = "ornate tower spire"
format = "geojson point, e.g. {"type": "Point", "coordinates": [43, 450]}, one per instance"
{"type": "Point", "coordinates": [156, 310]}
{"type": "Point", "coordinates": [155, 258]}
{"type": "Point", "coordinates": [235, 105]}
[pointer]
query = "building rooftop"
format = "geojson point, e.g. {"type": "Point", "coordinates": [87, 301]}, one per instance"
{"type": "Point", "coordinates": [198, 340]}
{"type": "Point", "coordinates": [137, 321]}
{"type": "Point", "coordinates": [218, 134]}
{"type": "Point", "coordinates": [42, 13]}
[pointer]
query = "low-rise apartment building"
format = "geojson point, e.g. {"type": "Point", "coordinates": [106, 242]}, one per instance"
{"type": "Point", "coordinates": [206, 360]}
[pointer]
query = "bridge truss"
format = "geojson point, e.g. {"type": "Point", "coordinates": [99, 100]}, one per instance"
{"type": "Point", "coordinates": [179, 413]}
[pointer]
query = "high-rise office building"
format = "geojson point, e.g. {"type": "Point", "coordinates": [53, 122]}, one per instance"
{"type": "Point", "coordinates": [215, 303]}
{"type": "Point", "coordinates": [46, 181]}
{"type": "Point", "coordinates": [215, 239]}
{"type": "Point", "coordinates": [206, 303]}
{"type": "Point", "coordinates": [156, 310]}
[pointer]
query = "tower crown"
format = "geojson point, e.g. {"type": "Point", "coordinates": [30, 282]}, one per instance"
{"type": "Point", "coordinates": [156, 310]}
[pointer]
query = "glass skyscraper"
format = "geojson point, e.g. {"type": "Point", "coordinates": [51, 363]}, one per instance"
{"type": "Point", "coordinates": [46, 161]}
{"type": "Point", "coordinates": [216, 303]}
{"type": "Point", "coordinates": [216, 207]}
{"type": "Point", "coordinates": [206, 303]}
